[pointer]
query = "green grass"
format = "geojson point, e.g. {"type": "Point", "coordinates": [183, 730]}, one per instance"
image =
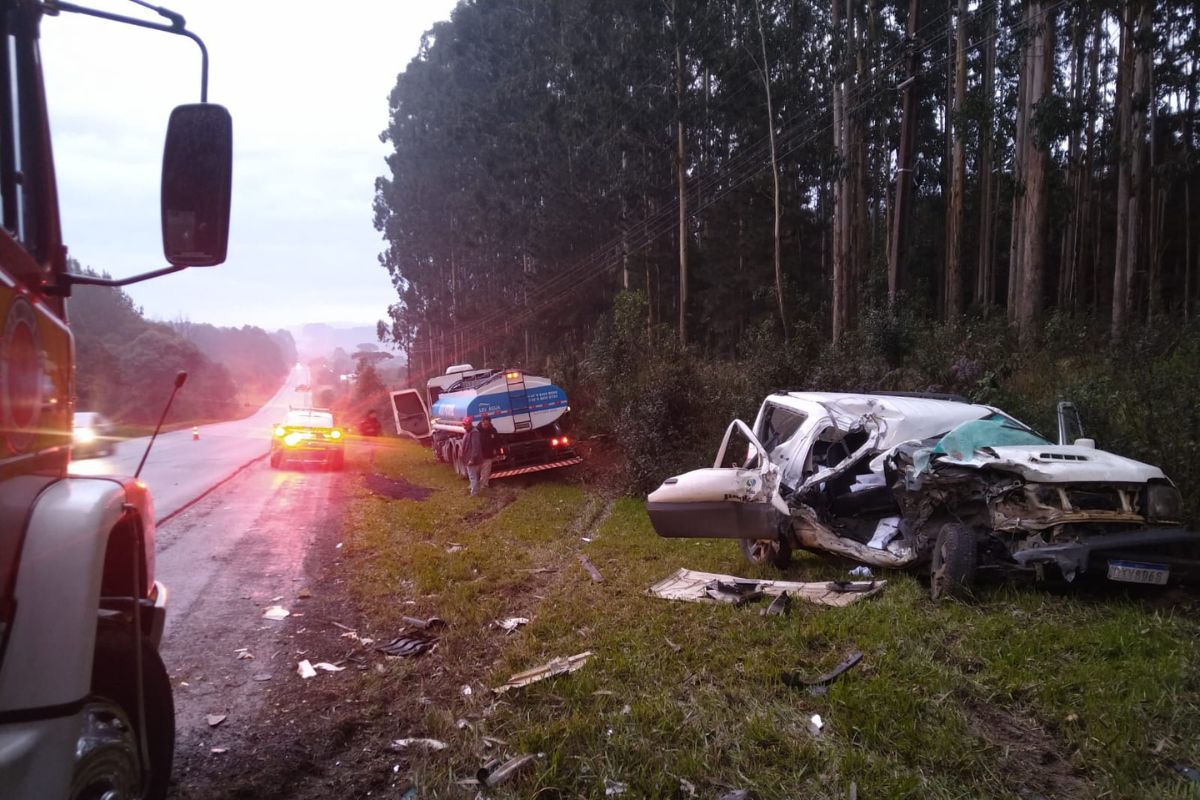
{"type": "Point", "coordinates": [1063, 693]}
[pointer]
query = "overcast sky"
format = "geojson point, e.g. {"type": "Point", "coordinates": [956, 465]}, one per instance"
{"type": "Point", "coordinates": [307, 84]}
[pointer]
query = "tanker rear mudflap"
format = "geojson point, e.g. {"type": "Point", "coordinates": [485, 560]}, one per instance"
{"type": "Point", "coordinates": [723, 501]}
{"type": "Point", "coordinates": [411, 415]}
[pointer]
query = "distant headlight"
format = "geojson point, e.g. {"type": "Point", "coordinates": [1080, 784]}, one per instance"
{"type": "Point", "coordinates": [85, 435]}
{"type": "Point", "coordinates": [335, 434]}
{"type": "Point", "coordinates": [1163, 503]}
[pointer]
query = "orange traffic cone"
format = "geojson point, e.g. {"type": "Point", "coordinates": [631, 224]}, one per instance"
{"type": "Point", "coordinates": [195, 433]}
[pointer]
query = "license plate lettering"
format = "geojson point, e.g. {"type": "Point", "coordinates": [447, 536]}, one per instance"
{"type": "Point", "coordinates": [1138, 572]}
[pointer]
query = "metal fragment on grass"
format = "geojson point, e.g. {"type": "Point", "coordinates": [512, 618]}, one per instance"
{"type": "Point", "coordinates": [214, 720]}
{"type": "Point", "coordinates": [691, 585]}
{"type": "Point", "coordinates": [558, 666]}
{"type": "Point", "coordinates": [815, 724]}
{"type": "Point", "coordinates": [408, 645]}
{"type": "Point", "coordinates": [306, 670]}
{"type": "Point", "coordinates": [782, 604]}
{"type": "Point", "coordinates": [327, 667]}
{"type": "Point", "coordinates": [591, 569]}
{"type": "Point", "coordinates": [430, 624]}
{"type": "Point", "coordinates": [511, 624]}
{"type": "Point", "coordinates": [494, 773]}
{"type": "Point", "coordinates": [818, 684]}
{"type": "Point", "coordinates": [614, 788]}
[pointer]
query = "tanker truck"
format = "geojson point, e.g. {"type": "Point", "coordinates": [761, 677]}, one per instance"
{"type": "Point", "coordinates": [527, 411]}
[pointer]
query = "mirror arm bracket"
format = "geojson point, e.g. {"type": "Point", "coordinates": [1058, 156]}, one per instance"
{"type": "Point", "coordinates": [69, 279]}
{"type": "Point", "coordinates": [53, 7]}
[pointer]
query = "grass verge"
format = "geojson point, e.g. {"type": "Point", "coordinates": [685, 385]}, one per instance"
{"type": "Point", "coordinates": [1022, 692]}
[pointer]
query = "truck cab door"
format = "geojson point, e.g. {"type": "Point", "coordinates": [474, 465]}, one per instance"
{"type": "Point", "coordinates": [411, 415]}
{"type": "Point", "coordinates": [726, 501]}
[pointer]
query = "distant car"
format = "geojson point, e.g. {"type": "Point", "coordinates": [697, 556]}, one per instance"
{"type": "Point", "coordinates": [303, 387]}
{"type": "Point", "coordinates": [92, 435]}
{"type": "Point", "coordinates": [308, 434]}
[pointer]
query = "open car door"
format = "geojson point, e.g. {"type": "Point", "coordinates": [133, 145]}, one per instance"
{"type": "Point", "coordinates": [726, 501]}
{"type": "Point", "coordinates": [412, 418]}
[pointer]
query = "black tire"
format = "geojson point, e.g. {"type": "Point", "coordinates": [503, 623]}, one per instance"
{"type": "Point", "coordinates": [776, 552]}
{"type": "Point", "coordinates": [955, 556]}
{"type": "Point", "coordinates": [108, 757]}
{"type": "Point", "coordinates": [276, 459]}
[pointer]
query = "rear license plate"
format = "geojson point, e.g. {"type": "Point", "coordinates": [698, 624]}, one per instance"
{"type": "Point", "coordinates": [1137, 572]}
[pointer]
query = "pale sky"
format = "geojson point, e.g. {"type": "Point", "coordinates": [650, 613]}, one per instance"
{"type": "Point", "coordinates": [307, 84]}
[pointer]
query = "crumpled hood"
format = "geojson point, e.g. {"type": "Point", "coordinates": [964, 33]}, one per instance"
{"type": "Point", "coordinates": [1055, 463]}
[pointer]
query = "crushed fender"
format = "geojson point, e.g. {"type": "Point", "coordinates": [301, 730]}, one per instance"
{"type": "Point", "coordinates": [692, 586]}
{"type": "Point", "coordinates": [558, 666]}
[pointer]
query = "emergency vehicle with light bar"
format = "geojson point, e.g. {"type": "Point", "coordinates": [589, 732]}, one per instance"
{"type": "Point", "coordinates": [308, 434]}
{"type": "Point", "coordinates": [527, 411]}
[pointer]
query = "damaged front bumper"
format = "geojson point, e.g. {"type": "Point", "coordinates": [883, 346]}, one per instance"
{"type": "Point", "coordinates": [1171, 549]}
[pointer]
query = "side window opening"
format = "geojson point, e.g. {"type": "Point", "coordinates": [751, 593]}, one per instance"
{"type": "Point", "coordinates": [778, 425]}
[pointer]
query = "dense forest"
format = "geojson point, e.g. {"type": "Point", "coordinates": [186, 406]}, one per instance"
{"type": "Point", "coordinates": [926, 194]}
{"type": "Point", "coordinates": [126, 363]}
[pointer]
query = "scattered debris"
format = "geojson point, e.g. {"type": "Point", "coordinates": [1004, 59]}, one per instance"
{"type": "Point", "coordinates": [304, 594]}
{"type": "Point", "coordinates": [214, 719]}
{"type": "Point", "coordinates": [556, 667]}
{"type": "Point", "coordinates": [512, 623]}
{"type": "Point", "coordinates": [687, 786]}
{"type": "Point", "coordinates": [337, 546]}
{"type": "Point", "coordinates": [306, 670]}
{"type": "Point", "coordinates": [613, 788]}
{"type": "Point", "coordinates": [462, 724]}
{"type": "Point", "coordinates": [815, 724]}
{"type": "Point", "coordinates": [736, 794]}
{"type": "Point", "coordinates": [325, 665]}
{"type": "Point", "coordinates": [851, 586]}
{"type": "Point", "coordinates": [262, 676]}
{"type": "Point", "coordinates": [539, 570]}
{"type": "Point", "coordinates": [431, 624]}
{"type": "Point", "coordinates": [277, 613]}
{"type": "Point", "coordinates": [586, 539]}
{"type": "Point", "coordinates": [782, 604]}
{"type": "Point", "coordinates": [395, 488]}
{"type": "Point", "coordinates": [466, 690]}
{"type": "Point", "coordinates": [404, 744]}
{"type": "Point", "coordinates": [677, 648]}
{"type": "Point", "coordinates": [819, 684]}
{"type": "Point", "coordinates": [454, 547]}
{"type": "Point", "coordinates": [243, 654]}
{"type": "Point", "coordinates": [219, 750]}
{"type": "Point", "coordinates": [493, 773]}
{"type": "Point", "coordinates": [492, 741]}
{"type": "Point", "coordinates": [407, 645]}
{"type": "Point", "coordinates": [690, 585]}
{"type": "Point", "coordinates": [861, 572]}
{"type": "Point", "coordinates": [1191, 773]}
{"type": "Point", "coordinates": [626, 710]}
{"type": "Point", "coordinates": [591, 569]}
{"type": "Point", "coordinates": [734, 592]}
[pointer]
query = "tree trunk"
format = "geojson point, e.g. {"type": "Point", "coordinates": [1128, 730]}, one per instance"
{"type": "Point", "coordinates": [1121, 266]}
{"type": "Point", "coordinates": [958, 177]}
{"type": "Point", "coordinates": [1069, 259]}
{"type": "Point", "coordinates": [839, 186]}
{"type": "Point", "coordinates": [681, 172]}
{"type": "Point", "coordinates": [1037, 166]}
{"type": "Point", "coordinates": [904, 156]}
{"type": "Point", "coordinates": [1016, 248]}
{"type": "Point", "coordinates": [985, 282]}
{"type": "Point", "coordinates": [766, 74]}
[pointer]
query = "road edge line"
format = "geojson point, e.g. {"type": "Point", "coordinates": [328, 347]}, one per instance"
{"type": "Point", "coordinates": [160, 522]}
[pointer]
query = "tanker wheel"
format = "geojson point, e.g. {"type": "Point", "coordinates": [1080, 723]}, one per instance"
{"type": "Point", "coordinates": [955, 556]}
{"type": "Point", "coordinates": [776, 552]}
{"type": "Point", "coordinates": [456, 455]}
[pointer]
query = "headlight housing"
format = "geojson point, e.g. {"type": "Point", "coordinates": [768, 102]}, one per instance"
{"type": "Point", "coordinates": [1163, 503]}
{"type": "Point", "coordinates": [85, 435]}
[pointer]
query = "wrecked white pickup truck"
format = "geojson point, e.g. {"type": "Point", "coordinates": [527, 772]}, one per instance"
{"type": "Point", "coordinates": [905, 481]}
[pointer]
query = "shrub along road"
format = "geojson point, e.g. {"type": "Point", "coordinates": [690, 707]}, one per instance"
{"type": "Point", "coordinates": [1022, 692]}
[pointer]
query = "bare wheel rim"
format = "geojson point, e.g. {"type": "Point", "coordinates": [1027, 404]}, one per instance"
{"type": "Point", "coordinates": [763, 550]}
{"type": "Point", "coordinates": [107, 763]}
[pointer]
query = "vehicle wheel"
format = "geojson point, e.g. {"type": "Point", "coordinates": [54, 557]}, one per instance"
{"type": "Point", "coordinates": [776, 552]}
{"type": "Point", "coordinates": [955, 556]}
{"type": "Point", "coordinates": [456, 455]}
{"type": "Point", "coordinates": [276, 459]}
{"type": "Point", "coordinates": [337, 462]}
{"type": "Point", "coordinates": [108, 761]}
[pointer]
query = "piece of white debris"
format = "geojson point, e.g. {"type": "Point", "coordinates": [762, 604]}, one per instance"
{"type": "Point", "coordinates": [512, 623]}
{"type": "Point", "coordinates": [325, 665]}
{"type": "Point", "coordinates": [306, 670]}
{"type": "Point", "coordinates": [219, 750]}
{"type": "Point", "coordinates": [214, 719]}
{"type": "Point", "coordinates": [613, 788]}
{"type": "Point", "coordinates": [432, 744]}
{"type": "Point", "coordinates": [277, 613]}
{"type": "Point", "coordinates": [815, 724]}
{"type": "Point", "coordinates": [466, 690]}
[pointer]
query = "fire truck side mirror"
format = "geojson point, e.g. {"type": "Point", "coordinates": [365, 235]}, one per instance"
{"type": "Point", "coordinates": [197, 180]}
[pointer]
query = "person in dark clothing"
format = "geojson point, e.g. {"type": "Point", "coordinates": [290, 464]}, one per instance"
{"type": "Point", "coordinates": [370, 424]}
{"type": "Point", "coordinates": [490, 446]}
{"type": "Point", "coordinates": [370, 428]}
{"type": "Point", "coordinates": [472, 453]}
